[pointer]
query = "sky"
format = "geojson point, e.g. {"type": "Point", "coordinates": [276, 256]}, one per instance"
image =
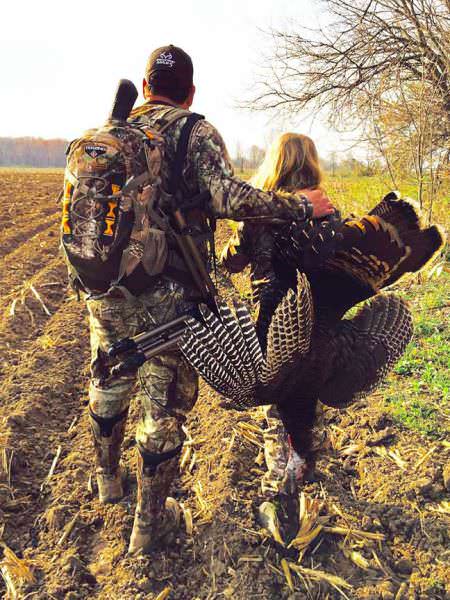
{"type": "Point", "coordinates": [61, 62]}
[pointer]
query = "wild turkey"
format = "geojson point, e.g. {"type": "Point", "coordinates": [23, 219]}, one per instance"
{"type": "Point", "coordinates": [312, 351]}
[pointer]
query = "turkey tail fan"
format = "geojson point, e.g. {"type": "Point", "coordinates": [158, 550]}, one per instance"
{"type": "Point", "coordinates": [366, 348]}
{"type": "Point", "coordinates": [208, 336]}
{"type": "Point", "coordinates": [290, 331]}
{"type": "Point", "coordinates": [226, 353]}
{"type": "Point", "coordinates": [194, 349]}
{"type": "Point", "coordinates": [252, 356]}
{"type": "Point", "coordinates": [402, 213]}
{"type": "Point", "coordinates": [423, 243]}
{"type": "Point", "coordinates": [239, 338]}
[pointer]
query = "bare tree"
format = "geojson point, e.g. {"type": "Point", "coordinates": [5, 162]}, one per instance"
{"type": "Point", "coordinates": [381, 67]}
{"type": "Point", "coordinates": [367, 43]}
{"type": "Point", "coordinates": [256, 156]}
{"type": "Point", "coordinates": [408, 134]}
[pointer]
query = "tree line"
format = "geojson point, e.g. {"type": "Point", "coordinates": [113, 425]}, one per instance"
{"type": "Point", "coordinates": [247, 161]}
{"type": "Point", "coordinates": [38, 152]}
{"type": "Point", "coordinates": [32, 152]}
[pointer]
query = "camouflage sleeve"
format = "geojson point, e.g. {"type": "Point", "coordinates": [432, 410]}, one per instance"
{"type": "Point", "coordinates": [231, 197]}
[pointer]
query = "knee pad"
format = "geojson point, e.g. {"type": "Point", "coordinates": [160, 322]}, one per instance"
{"type": "Point", "coordinates": [106, 424]}
{"type": "Point", "coordinates": [114, 399]}
{"type": "Point", "coordinates": [151, 460]}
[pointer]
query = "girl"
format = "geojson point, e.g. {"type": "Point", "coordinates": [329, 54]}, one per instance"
{"type": "Point", "coordinates": [291, 165]}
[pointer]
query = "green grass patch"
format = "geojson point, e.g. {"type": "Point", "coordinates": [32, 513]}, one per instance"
{"type": "Point", "coordinates": [357, 194]}
{"type": "Point", "coordinates": [417, 392]}
{"type": "Point", "coordinates": [416, 414]}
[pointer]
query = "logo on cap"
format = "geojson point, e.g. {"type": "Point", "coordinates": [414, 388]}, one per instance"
{"type": "Point", "coordinates": [165, 59]}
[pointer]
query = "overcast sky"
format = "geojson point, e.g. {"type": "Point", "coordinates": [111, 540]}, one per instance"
{"type": "Point", "coordinates": [61, 61]}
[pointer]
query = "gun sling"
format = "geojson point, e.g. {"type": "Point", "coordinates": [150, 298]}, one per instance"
{"type": "Point", "coordinates": [185, 242]}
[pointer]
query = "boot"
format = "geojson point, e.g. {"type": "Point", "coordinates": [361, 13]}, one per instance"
{"type": "Point", "coordinates": [268, 518]}
{"type": "Point", "coordinates": [153, 521]}
{"type": "Point", "coordinates": [108, 434]}
{"type": "Point", "coordinates": [280, 485]}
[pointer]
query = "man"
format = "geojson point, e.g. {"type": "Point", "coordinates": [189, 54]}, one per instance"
{"type": "Point", "coordinates": [168, 387]}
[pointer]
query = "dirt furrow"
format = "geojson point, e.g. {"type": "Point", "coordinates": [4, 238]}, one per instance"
{"type": "Point", "coordinates": [28, 194]}
{"type": "Point", "coordinates": [15, 235]}
{"type": "Point", "coordinates": [12, 220]}
{"type": "Point", "coordinates": [18, 266]}
{"type": "Point", "coordinates": [41, 396]}
{"type": "Point", "coordinates": [26, 312]}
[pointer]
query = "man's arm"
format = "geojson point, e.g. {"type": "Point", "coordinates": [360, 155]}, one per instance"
{"type": "Point", "coordinates": [231, 197]}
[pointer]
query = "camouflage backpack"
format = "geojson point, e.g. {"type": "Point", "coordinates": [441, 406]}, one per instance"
{"type": "Point", "coordinates": [112, 181]}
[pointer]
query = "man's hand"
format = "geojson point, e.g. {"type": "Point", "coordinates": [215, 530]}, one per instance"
{"type": "Point", "coordinates": [321, 203]}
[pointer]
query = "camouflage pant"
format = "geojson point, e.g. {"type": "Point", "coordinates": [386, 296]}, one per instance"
{"type": "Point", "coordinates": [276, 452]}
{"type": "Point", "coordinates": [167, 386]}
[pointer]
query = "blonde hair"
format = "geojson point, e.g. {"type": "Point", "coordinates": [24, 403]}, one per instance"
{"type": "Point", "coordinates": [291, 163]}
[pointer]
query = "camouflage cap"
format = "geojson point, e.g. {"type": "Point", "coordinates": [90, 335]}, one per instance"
{"type": "Point", "coordinates": [170, 66]}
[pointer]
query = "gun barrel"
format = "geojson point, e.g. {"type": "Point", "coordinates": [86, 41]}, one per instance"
{"type": "Point", "coordinates": [157, 342]}
{"type": "Point", "coordinates": [168, 345]}
{"type": "Point", "coordinates": [141, 337]}
{"type": "Point", "coordinates": [146, 344]}
{"type": "Point", "coordinates": [132, 363]}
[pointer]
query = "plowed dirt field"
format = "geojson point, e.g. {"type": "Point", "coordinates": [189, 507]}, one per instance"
{"type": "Point", "coordinates": [380, 489]}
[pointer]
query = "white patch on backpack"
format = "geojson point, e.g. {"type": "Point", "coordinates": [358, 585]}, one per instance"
{"type": "Point", "coordinates": [94, 151]}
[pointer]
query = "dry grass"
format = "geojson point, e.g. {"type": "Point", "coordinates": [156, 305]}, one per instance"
{"type": "Point", "coordinates": [15, 572]}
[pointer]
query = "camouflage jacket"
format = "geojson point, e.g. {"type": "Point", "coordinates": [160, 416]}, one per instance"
{"type": "Point", "coordinates": [208, 168]}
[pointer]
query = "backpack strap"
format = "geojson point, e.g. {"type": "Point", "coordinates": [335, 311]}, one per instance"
{"type": "Point", "coordinates": [166, 116]}
{"type": "Point", "coordinates": [170, 116]}
{"type": "Point", "coordinates": [181, 152]}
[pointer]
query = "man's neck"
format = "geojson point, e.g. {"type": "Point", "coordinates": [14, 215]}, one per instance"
{"type": "Point", "coordinates": [154, 99]}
